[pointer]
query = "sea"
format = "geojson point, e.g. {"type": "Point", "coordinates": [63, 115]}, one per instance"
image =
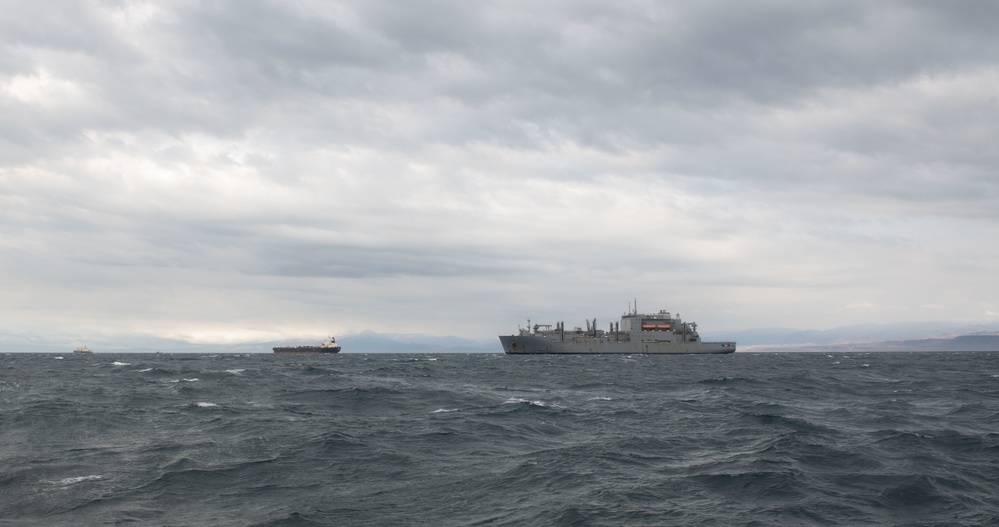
{"type": "Point", "coordinates": [447, 439]}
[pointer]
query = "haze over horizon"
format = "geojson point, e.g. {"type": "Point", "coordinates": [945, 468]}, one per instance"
{"type": "Point", "coordinates": [225, 172]}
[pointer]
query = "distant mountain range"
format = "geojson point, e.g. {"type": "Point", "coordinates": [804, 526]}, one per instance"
{"type": "Point", "coordinates": [364, 342]}
{"type": "Point", "coordinates": [371, 342]}
{"type": "Point", "coordinates": [924, 336]}
{"type": "Point", "coordinates": [980, 342]}
{"type": "Point", "coordinates": [855, 333]}
{"type": "Point", "coordinates": [936, 336]}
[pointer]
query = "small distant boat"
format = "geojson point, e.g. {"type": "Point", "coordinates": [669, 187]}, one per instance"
{"type": "Point", "coordinates": [328, 346]}
{"type": "Point", "coordinates": [82, 349]}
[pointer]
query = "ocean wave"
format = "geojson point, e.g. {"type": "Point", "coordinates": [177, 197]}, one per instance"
{"type": "Point", "coordinates": [499, 440]}
{"type": "Point", "coordinates": [542, 404]}
{"type": "Point", "coordinates": [726, 380]}
{"type": "Point", "coordinates": [65, 482]}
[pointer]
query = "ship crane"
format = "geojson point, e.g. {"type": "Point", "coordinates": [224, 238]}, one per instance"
{"type": "Point", "coordinates": [636, 333]}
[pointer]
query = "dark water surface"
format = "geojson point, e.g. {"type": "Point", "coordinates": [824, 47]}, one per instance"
{"type": "Point", "coordinates": [480, 439]}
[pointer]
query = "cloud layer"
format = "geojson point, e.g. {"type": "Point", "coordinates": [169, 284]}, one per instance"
{"type": "Point", "coordinates": [226, 171]}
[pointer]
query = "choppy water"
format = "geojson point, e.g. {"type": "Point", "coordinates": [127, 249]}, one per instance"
{"type": "Point", "coordinates": [448, 439]}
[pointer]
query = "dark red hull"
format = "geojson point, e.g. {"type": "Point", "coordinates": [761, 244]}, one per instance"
{"type": "Point", "coordinates": [307, 350]}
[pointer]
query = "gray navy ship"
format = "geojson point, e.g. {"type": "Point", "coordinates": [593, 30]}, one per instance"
{"type": "Point", "coordinates": [328, 346]}
{"type": "Point", "coordinates": [636, 333]}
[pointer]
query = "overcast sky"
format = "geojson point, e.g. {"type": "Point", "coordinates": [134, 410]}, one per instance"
{"type": "Point", "coordinates": [249, 170]}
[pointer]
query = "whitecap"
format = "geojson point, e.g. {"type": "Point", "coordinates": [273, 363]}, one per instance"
{"type": "Point", "coordinates": [58, 358]}
{"type": "Point", "coordinates": [517, 400]}
{"type": "Point", "coordinates": [865, 365]}
{"type": "Point", "coordinates": [236, 371]}
{"type": "Point", "coordinates": [116, 363]}
{"type": "Point", "coordinates": [206, 405]}
{"type": "Point", "coordinates": [444, 410]}
{"type": "Point", "coordinates": [79, 479]}
{"type": "Point", "coordinates": [145, 370]}
{"type": "Point", "coordinates": [191, 380]}
{"type": "Point", "coordinates": [600, 399]}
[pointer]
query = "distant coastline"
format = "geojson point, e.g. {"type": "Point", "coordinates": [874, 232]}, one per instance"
{"type": "Point", "coordinates": [372, 342]}
{"type": "Point", "coordinates": [988, 342]}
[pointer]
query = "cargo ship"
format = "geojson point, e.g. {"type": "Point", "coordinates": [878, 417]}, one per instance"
{"type": "Point", "coordinates": [635, 334]}
{"type": "Point", "coordinates": [82, 349]}
{"type": "Point", "coordinates": [328, 346]}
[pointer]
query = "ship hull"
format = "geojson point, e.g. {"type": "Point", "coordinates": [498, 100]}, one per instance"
{"type": "Point", "coordinates": [306, 350]}
{"type": "Point", "coordinates": [532, 345]}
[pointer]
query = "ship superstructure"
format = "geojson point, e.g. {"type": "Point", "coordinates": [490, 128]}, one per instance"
{"type": "Point", "coordinates": [635, 333]}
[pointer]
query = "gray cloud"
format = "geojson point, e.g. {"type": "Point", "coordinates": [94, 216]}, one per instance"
{"type": "Point", "coordinates": [229, 170]}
